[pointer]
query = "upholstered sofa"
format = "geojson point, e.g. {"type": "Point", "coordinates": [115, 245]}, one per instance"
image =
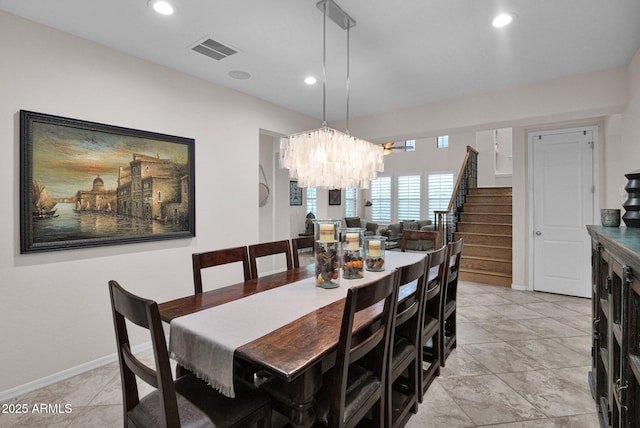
{"type": "Point", "coordinates": [393, 232]}
{"type": "Point", "coordinates": [370, 228]}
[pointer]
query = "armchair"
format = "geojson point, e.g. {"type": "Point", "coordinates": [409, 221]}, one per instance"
{"type": "Point", "coordinates": [370, 228]}
{"type": "Point", "coordinates": [393, 232]}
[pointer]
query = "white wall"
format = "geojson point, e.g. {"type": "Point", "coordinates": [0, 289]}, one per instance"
{"type": "Point", "coordinates": [54, 307]}
{"type": "Point", "coordinates": [627, 157]}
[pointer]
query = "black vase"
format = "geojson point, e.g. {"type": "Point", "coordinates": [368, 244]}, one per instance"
{"type": "Point", "coordinates": [631, 216]}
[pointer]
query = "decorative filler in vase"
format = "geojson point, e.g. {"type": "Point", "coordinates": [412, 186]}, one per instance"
{"type": "Point", "coordinates": [632, 205]}
{"type": "Point", "coordinates": [610, 217]}
{"type": "Point", "coordinates": [326, 253]}
{"type": "Point", "coordinates": [374, 253]}
{"type": "Point", "coordinates": [351, 239]}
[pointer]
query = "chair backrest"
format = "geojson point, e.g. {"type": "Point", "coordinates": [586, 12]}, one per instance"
{"type": "Point", "coordinates": [435, 273]}
{"type": "Point", "coordinates": [454, 255]}
{"type": "Point", "coordinates": [267, 249]}
{"type": "Point", "coordinates": [434, 285]}
{"type": "Point", "coordinates": [216, 258]}
{"type": "Point", "coordinates": [425, 235]}
{"type": "Point", "coordinates": [144, 313]}
{"type": "Point", "coordinates": [299, 243]}
{"type": "Point", "coordinates": [371, 339]}
{"type": "Point", "coordinates": [411, 307]}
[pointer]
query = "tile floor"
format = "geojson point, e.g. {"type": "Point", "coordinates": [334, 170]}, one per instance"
{"type": "Point", "coordinates": [522, 361]}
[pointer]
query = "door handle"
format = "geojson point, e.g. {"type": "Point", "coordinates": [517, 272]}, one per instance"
{"type": "Point", "coordinates": [538, 233]}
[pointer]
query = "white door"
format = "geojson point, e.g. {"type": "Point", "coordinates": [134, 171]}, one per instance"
{"type": "Point", "coordinates": [563, 202]}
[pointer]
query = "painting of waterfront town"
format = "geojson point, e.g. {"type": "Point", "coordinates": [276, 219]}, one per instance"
{"type": "Point", "coordinates": [89, 184]}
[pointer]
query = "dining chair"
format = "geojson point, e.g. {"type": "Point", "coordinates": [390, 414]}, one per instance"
{"type": "Point", "coordinates": [351, 391]}
{"type": "Point", "coordinates": [424, 235]}
{"type": "Point", "coordinates": [405, 367]}
{"type": "Point", "coordinates": [187, 401]}
{"type": "Point", "coordinates": [216, 258]}
{"type": "Point", "coordinates": [448, 323]}
{"type": "Point", "coordinates": [429, 347]}
{"type": "Point", "coordinates": [298, 244]}
{"type": "Point", "coordinates": [267, 249]}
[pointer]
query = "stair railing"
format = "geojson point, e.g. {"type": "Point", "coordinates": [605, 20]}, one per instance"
{"type": "Point", "coordinates": [447, 221]}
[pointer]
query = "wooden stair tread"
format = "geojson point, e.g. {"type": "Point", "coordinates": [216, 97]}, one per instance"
{"type": "Point", "coordinates": [492, 259]}
{"type": "Point", "coordinates": [484, 234]}
{"type": "Point", "coordinates": [488, 246]}
{"type": "Point", "coordinates": [484, 223]}
{"type": "Point", "coordinates": [484, 213]}
{"type": "Point", "coordinates": [485, 272]}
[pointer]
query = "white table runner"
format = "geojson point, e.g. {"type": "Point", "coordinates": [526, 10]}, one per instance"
{"type": "Point", "coordinates": [205, 341]}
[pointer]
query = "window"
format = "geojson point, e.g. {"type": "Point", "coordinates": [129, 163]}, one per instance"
{"type": "Point", "coordinates": [408, 197]}
{"type": "Point", "coordinates": [350, 202]}
{"type": "Point", "coordinates": [312, 201]}
{"type": "Point", "coordinates": [440, 189]}
{"type": "Point", "coordinates": [381, 199]}
{"type": "Point", "coordinates": [159, 196]}
{"type": "Point", "coordinates": [443, 141]}
{"type": "Point", "coordinates": [410, 146]}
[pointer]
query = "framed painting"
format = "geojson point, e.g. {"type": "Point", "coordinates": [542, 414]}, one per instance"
{"type": "Point", "coordinates": [335, 196]}
{"type": "Point", "coordinates": [295, 193]}
{"type": "Point", "coordinates": [86, 184]}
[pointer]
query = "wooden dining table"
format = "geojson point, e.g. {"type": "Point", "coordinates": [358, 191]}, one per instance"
{"type": "Point", "coordinates": [300, 351]}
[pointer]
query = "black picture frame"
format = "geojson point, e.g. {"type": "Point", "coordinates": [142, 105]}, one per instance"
{"type": "Point", "coordinates": [295, 193]}
{"type": "Point", "coordinates": [335, 196]}
{"type": "Point", "coordinates": [88, 184]}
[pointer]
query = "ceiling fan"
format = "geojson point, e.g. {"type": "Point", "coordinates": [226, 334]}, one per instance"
{"type": "Point", "coordinates": [388, 147]}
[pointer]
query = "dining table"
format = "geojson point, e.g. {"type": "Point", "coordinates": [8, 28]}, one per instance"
{"type": "Point", "coordinates": [281, 323]}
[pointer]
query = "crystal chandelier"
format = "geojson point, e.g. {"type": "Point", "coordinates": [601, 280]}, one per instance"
{"type": "Point", "coordinates": [326, 157]}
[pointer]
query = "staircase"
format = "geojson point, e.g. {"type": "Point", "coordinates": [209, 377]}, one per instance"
{"type": "Point", "coordinates": [485, 226]}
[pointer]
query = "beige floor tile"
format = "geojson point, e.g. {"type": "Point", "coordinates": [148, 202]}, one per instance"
{"type": "Point", "coordinates": [554, 392]}
{"type": "Point", "coordinates": [98, 416]}
{"type": "Point", "coordinates": [501, 357]}
{"type": "Point", "coordinates": [579, 344]}
{"type": "Point", "coordinates": [554, 297]}
{"type": "Point", "coordinates": [581, 306]}
{"type": "Point", "coordinates": [439, 410]}
{"type": "Point", "coordinates": [579, 421]}
{"type": "Point", "coordinates": [473, 333]}
{"type": "Point", "coordinates": [515, 312]}
{"type": "Point", "coordinates": [520, 297]}
{"type": "Point", "coordinates": [488, 400]}
{"type": "Point", "coordinates": [584, 322]}
{"type": "Point", "coordinates": [551, 353]}
{"type": "Point", "coordinates": [477, 313]}
{"type": "Point", "coordinates": [550, 309]}
{"type": "Point", "coordinates": [462, 363]}
{"type": "Point", "coordinates": [480, 299]}
{"type": "Point", "coordinates": [549, 327]}
{"type": "Point", "coordinates": [509, 330]}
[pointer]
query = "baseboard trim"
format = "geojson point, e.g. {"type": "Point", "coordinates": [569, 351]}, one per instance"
{"type": "Point", "coordinates": [66, 374]}
{"type": "Point", "coordinates": [519, 287]}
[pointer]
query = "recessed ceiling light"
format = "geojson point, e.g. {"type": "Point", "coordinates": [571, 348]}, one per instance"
{"type": "Point", "coordinates": [162, 7]}
{"type": "Point", "coordinates": [503, 20]}
{"type": "Point", "coordinates": [310, 80]}
{"type": "Point", "coordinates": [239, 74]}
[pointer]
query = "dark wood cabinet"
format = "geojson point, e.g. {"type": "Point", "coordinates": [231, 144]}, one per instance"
{"type": "Point", "coordinates": [615, 374]}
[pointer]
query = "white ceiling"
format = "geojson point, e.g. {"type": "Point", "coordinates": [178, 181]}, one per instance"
{"type": "Point", "coordinates": [403, 52]}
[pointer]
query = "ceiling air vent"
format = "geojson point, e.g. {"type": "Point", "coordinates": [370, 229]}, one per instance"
{"type": "Point", "coordinates": [214, 49]}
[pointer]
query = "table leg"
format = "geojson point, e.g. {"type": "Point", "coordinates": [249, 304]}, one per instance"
{"type": "Point", "coordinates": [302, 391]}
